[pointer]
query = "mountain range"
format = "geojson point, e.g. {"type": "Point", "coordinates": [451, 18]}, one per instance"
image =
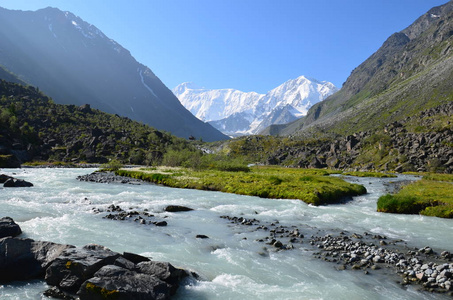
{"type": "Point", "coordinates": [73, 62]}
{"type": "Point", "coordinates": [236, 113]}
{"type": "Point", "coordinates": [411, 71]}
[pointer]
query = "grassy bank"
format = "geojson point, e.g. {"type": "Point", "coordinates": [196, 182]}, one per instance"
{"type": "Point", "coordinates": [430, 196]}
{"type": "Point", "coordinates": [309, 185]}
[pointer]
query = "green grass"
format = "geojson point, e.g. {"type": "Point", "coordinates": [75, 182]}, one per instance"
{"type": "Point", "coordinates": [369, 174]}
{"type": "Point", "coordinates": [309, 185]}
{"type": "Point", "coordinates": [431, 196]}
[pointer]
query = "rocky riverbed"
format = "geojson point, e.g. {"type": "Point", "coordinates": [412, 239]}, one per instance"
{"type": "Point", "coordinates": [431, 270]}
{"type": "Point", "coordinates": [109, 177]}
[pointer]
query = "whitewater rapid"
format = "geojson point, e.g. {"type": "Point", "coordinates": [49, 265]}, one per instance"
{"type": "Point", "coordinates": [231, 263]}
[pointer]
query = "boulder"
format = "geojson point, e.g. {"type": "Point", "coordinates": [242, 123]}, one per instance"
{"type": "Point", "coordinates": [14, 182]}
{"type": "Point", "coordinates": [75, 265]}
{"type": "Point", "coordinates": [23, 259]}
{"type": "Point", "coordinates": [4, 178]}
{"type": "Point", "coordinates": [164, 271]}
{"type": "Point", "coordinates": [9, 228]}
{"type": "Point", "coordinates": [113, 282]}
{"type": "Point", "coordinates": [177, 208]}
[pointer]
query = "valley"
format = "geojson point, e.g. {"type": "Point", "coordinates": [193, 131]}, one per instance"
{"type": "Point", "coordinates": [271, 195]}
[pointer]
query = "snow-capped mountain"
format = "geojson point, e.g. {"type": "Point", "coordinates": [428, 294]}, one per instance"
{"type": "Point", "coordinates": [75, 63]}
{"type": "Point", "coordinates": [238, 113]}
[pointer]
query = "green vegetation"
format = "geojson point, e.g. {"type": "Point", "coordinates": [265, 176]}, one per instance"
{"type": "Point", "coordinates": [71, 134]}
{"type": "Point", "coordinates": [431, 196]}
{"type": "Point", "coordinates": [369, 174]}
{"type": "Point", "coordinates": [309, 185]}
{"type": "Point", "coordinates": [103, 293]}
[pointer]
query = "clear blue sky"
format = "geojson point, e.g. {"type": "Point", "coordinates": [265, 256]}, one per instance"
{"type": "Point", "coordinates": [250, 45]}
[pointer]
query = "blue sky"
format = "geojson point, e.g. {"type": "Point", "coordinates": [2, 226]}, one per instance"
{"type": "Point", "coordinates": [250, 45]}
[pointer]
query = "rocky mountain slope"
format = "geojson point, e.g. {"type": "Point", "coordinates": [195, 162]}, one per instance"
{"type": "Point", "coordinates": [237, 113]}
{"type": "Point", "coordinates": [75, 63]}
{"type": "Point", "coordinates": [412, 71]}
{"type": "Point", "coordinates": [33, 127]}
{"type": "Point", "coordinates": [420, 143]}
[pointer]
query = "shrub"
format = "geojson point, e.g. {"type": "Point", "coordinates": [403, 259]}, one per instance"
{"type": "Point", "coordinates": [113, 165]}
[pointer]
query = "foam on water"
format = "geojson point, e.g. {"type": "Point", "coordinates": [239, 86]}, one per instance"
{"type": "Point", "coordinates": [231, 263]}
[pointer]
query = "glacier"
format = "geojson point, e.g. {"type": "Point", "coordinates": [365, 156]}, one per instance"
{"type": "Point", "coordinates": [236, 113]}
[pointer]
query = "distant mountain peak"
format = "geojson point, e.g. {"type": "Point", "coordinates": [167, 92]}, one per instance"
{"type": "Point", "coordinates": [237, 113]}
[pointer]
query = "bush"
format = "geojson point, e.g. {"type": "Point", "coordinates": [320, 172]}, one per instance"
{"type": "Point", "coordinates": [399, 204]}
{"type": "Point", "coordinates": [113, 165]}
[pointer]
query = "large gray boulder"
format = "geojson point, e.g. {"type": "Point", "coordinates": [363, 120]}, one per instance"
{"type": "Point", "coordinates": [14, 182]}
{"type": "Point", "coordinates": [9, 228]}
{"type": "Point", "coordinates": [96, 272]}
{"type": "Point", "coordinates": [76, 265]}
{"type": "Point", "coordinates": [164, 271]}
{"type": "Point", "coordinates": [23, 259]}
{"type": "Point", "coordinates": [114, 282]}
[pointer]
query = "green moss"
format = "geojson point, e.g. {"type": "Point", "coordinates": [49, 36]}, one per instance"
{"type": "Point", "coordinates": [309, 185]}
{"type": "Point", "coordinates": [103, 292]}
{"type": "Point", "coordinates": [70, 264]}
{"type": "Point", "coordinates": [426, 197]}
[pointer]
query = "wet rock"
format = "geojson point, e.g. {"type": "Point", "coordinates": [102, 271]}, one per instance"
{"type": "Point", "coordinates": [202, 236]}
{"type": "Point", "coordinates": [75, 265]}
{"type": "Point", "coordinates": [56, 293]}
{"type": "Point", "coordinates": [165, 272]}
{"type": "Point", "coordinates": [113, 282]}
{"type": "Point", "coordinates": [9, 228]}
{"type": "Point", "coordinates": [14, 182]}
{"type": "Point", "coordinates": [160, 223]}
{"type": "Point", "coordinates": [109, 177]}
{"type": "Point", "coordinates": [177, 208]}
{"type": "Point", "coordinates": [23, 259]}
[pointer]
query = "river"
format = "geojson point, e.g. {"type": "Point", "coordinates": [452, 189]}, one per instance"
{"type": "Point", "coordinates": [231, 262]}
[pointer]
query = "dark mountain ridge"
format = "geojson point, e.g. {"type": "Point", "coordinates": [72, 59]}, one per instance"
{"type": "Point", "coordinates": [75, 63]}
{"type": "Point", "coordinates": [412, 71]}
{"type": "Point", "coordinates": [34, 128]}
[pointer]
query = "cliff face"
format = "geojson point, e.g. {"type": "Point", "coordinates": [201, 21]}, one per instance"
{"type": "Point", "coordinates": [412, 71]}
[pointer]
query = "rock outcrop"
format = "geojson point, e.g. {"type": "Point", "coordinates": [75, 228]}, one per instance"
{"type": "Point", "coordinates": [9, 228]}
{"type": "Point", "coordinates": [90, 272]}
{"type": "Point", "coordinates": [24, 259]}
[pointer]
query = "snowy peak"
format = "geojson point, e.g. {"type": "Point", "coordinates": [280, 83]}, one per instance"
{"type": "Point", "coordinates": [222, 108]}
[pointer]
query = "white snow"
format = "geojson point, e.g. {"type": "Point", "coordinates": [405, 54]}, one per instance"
{"type": "Point", "coordinates": [51, 30]}
{"type": "Point", "coordinates": [144, 84]}
{"type": "Point", "coordinates": [297, 95]}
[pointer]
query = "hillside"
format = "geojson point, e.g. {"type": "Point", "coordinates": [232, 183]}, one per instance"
{"type": "Point", "coordinates": [236, 113]}
{"type": "Point", "coordinates": [33, 127]}
{"type": "Point", "coordinates": [412, 71]}
{"type": "Point", "coordinates": [420, 143]}
{"type": "Point", "coordinates": [75, 63]}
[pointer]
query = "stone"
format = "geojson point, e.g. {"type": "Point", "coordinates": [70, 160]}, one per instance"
{"type": "Point", "coordinates": [75, 265]}
{"type": "Point", "coordinates": [23, 259]}
{"type": "Point", "coordinates": [56, 293]}
{"type": "Point", "coordinates": [9, 228]}
{"type": "Point", "coordinates": [202, 236]}
{"type": "Point", "coordinates": [177, 208]}
{"type": "Point", "coordinates": [113, 282]}
{"type": "Point", "coordinates": [163, 271]}
{"type": "Point", "coordinates": [14, 182]}
{"type": "Point", "coordinates": [4, 178]}
{"type": "Point", "coordinates": [160, 223]}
